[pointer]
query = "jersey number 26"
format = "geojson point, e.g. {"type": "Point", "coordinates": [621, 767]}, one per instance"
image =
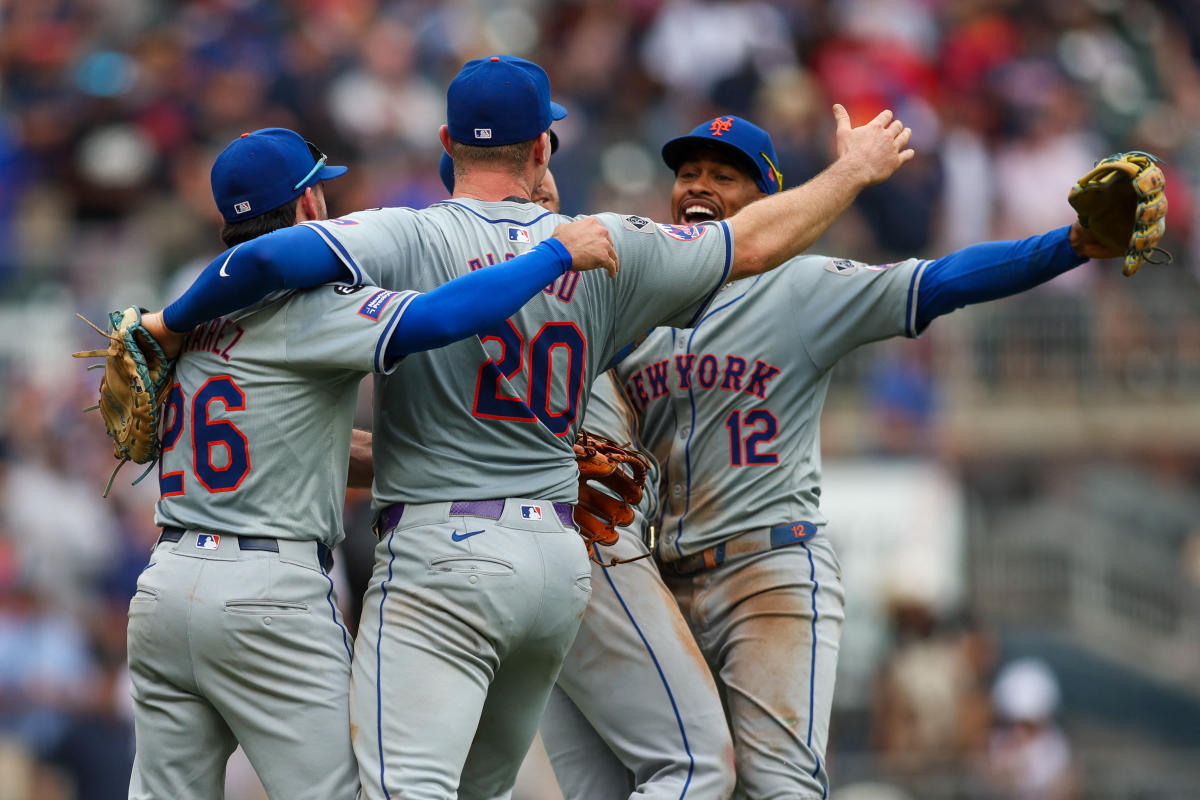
{"type": "Point", "coordinates": [206, 435]}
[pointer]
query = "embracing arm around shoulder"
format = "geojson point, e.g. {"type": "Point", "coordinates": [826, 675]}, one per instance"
{"type": "Point", "coordinates": [297, 257]}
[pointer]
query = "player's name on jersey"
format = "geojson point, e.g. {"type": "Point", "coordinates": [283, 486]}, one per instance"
{"type": "Point", "coordinates": [707, 371]}
{"type": "Point", "coordinates": [563, 287]}
{"type": "Point", "coordinates": [217, 337]}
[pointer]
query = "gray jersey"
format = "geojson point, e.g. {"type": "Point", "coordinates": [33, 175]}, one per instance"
{"type": "Point", "coordinates": [742, 391]}
{"type": "Point", "coordinates": [495, 416]}
{"type": "Point", "coordinates": [609, 414]}
{"type": "Point", "coordinates": [256, 436]}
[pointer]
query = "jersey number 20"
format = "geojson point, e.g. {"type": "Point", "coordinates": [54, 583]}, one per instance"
{"type": "Point", "coordinates": [206, 435]}
{"type": "Point", "coordinates": [491, 401]}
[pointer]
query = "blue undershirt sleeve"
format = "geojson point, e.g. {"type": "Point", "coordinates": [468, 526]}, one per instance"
{"type": "Point", "coordinates": [472, 303]}
{"type": "Point", "coordinates": [289, 258]}
{"type": "Point", "coordinates": [992, 270]}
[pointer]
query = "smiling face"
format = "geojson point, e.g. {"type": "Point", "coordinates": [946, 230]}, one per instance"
{"type": "Point", "coordinates": [709, 187]}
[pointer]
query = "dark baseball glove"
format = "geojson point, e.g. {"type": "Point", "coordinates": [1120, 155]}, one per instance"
{"type": "Point", "coordinates": [611, 479]}
{"type": "Point", "coordinates": [1121, 202]}
{"type": "Point", "coordinates": [137, 377]}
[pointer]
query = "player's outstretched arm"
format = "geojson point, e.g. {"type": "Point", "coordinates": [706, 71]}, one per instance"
{"type": "Point", "coordinates": [770, 231]}
{"type": "Point", "coordinates": [991, 270]}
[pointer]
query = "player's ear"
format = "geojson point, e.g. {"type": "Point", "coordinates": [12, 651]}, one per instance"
{"type": "Point", "coordinates": [308, 206]}
{"type": "Point", "coordinates": [541, 149]}
{"type": "Point", "coordinates": [444, 138]}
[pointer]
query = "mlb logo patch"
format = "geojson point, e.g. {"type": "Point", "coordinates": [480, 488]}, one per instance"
{"type": "Point", "coordinates": [483, 133]}
{"type": "Point", "coordinates": [518, 235]}
{"type": "Point", "coordinates": [208, 541]}
{"type": "Point", "coordinates": [242, 207]}
{"type": "Point", "coordinates": [531, 512]}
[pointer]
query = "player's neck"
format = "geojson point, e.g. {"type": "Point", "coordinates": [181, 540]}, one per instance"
{"type": "Point", "coordinates": [492, 186]}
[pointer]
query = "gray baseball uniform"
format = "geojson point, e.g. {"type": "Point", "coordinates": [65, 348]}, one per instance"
{"type": "Point", "coordinates": [234, 632]}
{"type": "Point", "coordinates": [635, 711]}
{"type": "Point", "coordinates": [731, 409]}
{"type": "Point", "coordinates": [478, 589]}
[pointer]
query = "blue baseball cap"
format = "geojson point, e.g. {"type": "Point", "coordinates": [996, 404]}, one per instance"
{"type": "Point", "coordinates": [261, 171]}
{"type": "Point", "coordinates": [500, 100]}
{"type": "Point", "coordinates": [446, 165]}
{"type": "Point", "coordinates": [749, 146]}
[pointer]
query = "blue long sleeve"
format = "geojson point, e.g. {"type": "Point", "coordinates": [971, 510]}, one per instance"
{"type": "Point", "coordinates": [992, 270]}
{"type": "Point", "coordinates": [479, 300]}
{"type": "Point", "coordinates": [289, 258]}
{"type": "Point", "coordinates": [298, 258]}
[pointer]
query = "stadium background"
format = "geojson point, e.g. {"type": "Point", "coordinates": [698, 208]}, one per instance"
{"type": "Point", "coordinates": [1019, 483]}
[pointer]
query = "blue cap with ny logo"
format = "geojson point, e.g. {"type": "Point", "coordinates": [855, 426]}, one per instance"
{"type": "Point", "coordinates": [500, 100]}
{"type": "Point", "coordinates": [747, 145]}
{"type": "Point", "coordinates": [263, 170]}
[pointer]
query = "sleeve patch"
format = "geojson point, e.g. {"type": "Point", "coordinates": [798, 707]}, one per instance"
{"type": "Point", "coordinates": [842, 266]}
{"type": "Point", "coordinates": [684, 233]}
{"type": "Point", "coordinates": [376, 303]}
{"type": "Point", "coordinates": [636, 223]}
{"type": "Point", "coordinates": [343, 289]}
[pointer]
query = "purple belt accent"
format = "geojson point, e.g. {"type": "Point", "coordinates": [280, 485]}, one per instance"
{"type": "Point", "coordinates": [488, 509]}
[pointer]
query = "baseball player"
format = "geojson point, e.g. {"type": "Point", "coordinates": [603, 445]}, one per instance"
{"type": "Point", "coordinates": [730, 407]}
{"type": "Point", "coordinates": [234, 632]}
{"type": "Point", "coordinates": [649, 724]}
{"type": "Point", "coordinates": [480, 580]}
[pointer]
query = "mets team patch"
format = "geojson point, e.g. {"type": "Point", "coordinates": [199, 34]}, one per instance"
{"type": "Point", "coordinates": [684, 233]}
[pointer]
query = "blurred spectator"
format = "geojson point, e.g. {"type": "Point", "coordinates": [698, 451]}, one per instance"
{"type": "Point", "coordinates": [1028, 756]}
{"type": "Point", "coordinates": [931, 705]}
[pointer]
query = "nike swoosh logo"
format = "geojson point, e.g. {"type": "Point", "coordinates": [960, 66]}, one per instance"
{"type": "Point", "coordinates": [222, 271]}
{"type": "Point", "coordinates": [458, 537]}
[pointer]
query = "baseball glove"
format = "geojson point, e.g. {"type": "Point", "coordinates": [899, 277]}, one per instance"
{"type": "Point", "coordinates": [1121, 202]}
{"type": "Point", "coordinates": [611, 478]}
{"type": "Point", "coordinates": [137, 377]}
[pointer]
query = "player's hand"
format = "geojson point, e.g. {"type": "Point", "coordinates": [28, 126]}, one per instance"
{"type": "Point", "coordinates": [875, 150]}
{"type": "Point", "coordinates": [1086, 245]}
{"type": "Point", "coordinates": [589, 244]}
{"type": "Point", "coordinates": [170, 341]}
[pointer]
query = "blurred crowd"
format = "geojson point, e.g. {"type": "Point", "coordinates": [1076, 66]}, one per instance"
{"type": "Point", "coordinates": [111, 112]}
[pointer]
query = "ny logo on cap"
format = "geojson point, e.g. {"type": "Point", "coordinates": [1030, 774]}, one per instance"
{"type": "Point", "coordinates": [483, 133]}
{"type": "Point", "coordinates": [242, 207]}
{"type": "Point", "coordinates": [719, 126]}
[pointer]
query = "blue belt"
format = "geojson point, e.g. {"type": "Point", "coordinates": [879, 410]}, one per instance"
{"type": "Point", "coordinates": [749, 543]}
{"type": "Point", "coordinates": [269, 544]}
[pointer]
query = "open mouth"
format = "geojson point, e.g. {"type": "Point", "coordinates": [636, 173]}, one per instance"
{"type": "Point", "coordinates": [694, 212]}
